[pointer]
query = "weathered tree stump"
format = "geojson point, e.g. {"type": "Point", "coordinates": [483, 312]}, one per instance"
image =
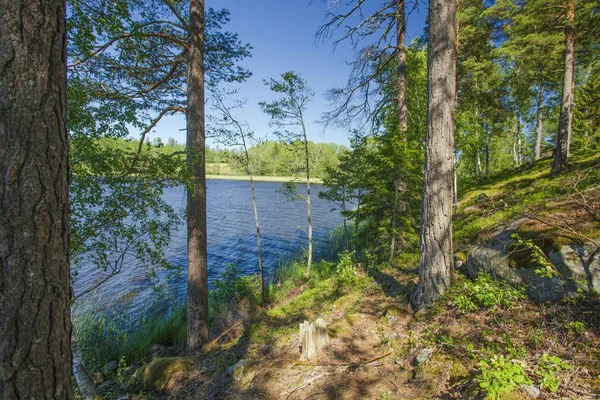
{"type": "Point", "coordinates": [313, 337]}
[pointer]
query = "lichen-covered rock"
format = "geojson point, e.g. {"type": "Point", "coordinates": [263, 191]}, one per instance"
{"type": "Point", "coordinates": [578, 267]}
{"type": "Point", "coordinates": [237, 370]}
{"type": "Point", "coordinates": [581, 263]}
{"type": "Point", "coordinates": [162, 372]}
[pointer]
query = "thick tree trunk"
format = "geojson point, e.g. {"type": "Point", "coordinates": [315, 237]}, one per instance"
{"type": "Point", "coordinates": [198, 328]}
{"type": "Point", "coordinates": [401, 65]}
{"type": "Point", "coordinates": [540, 124]}
{"type": "Point", "coordinates": [565, 124]}
{"type": "Point", "coordinates": [435, 267]}
{"type": "Point", "coordinates": [35, 293]}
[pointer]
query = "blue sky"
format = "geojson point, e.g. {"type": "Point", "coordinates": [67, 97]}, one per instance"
{"type": "Point", "coordinates": [282, 33]}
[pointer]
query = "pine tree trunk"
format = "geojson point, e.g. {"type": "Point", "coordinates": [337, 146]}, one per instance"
{"type": "Point", "coordinates": [540, 125]}
{"type": "Point", "coordinates": [519, 142]}
{"type": "Point", "coordinates": [198, 328]}
{"type": "Point", "coordinates": [487, 150]}
{"type": "Point", "coordinates": [565, 124]}
{"type": "Point", "coordinates": [435, 249]}
{"type": "Point", "coordinates": [35, 291]}
{"type": "Point", "coordinates": [401, 64]}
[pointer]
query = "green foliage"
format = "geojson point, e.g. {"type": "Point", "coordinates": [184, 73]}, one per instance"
{"type": "Point", "coordinates": [545, 268]}
{"type": "Point", "coordinates": [499, 376]}
{"type": "Point", "coordinates": [549, 367]}
{"type": "Point", "coordinates": [485, 292]}
{"type": "Point", "coordinates": [233, 286]}
{"type": "Point", "coordinates": [346, 270]}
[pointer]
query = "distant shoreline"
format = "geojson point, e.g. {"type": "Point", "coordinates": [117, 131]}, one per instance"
{"type": "Point", "coordinates": [261, 178]}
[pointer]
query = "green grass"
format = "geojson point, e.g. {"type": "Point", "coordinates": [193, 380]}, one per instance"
{"type": "Point", "coordinates": [514, 193]}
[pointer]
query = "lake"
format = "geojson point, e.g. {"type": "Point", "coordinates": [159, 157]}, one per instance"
{"type": "Point", "coordinates": [231, 240]}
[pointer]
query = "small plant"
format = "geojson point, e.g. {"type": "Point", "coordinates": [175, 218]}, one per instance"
{"type": "Point", "coordinates": [485, 292]}
{"type": "Point", "coordinates": [121, 368]}
{"type": "Point", "coordinates": [575, 327]}
{"type": "Point", "coordinates": [545, 268]}
{"type": "Point", "coordinates": [233, 286]}
{"type": "Point", "coordinates": [500, 376]}
{"type": "Point", "coordinates": [346, 270]}
{"type": "Point", "coordinates": [549, 367]}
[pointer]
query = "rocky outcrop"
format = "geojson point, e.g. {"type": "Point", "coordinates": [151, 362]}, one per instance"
{"type": "Point", "coordinates": [578, 266]}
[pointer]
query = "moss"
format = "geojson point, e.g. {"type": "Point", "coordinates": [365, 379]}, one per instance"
{"type": "Point", "coordinates": [158, 374]}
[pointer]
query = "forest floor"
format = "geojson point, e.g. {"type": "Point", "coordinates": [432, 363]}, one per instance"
{"type": "Point", "coordinates": [483, 338]}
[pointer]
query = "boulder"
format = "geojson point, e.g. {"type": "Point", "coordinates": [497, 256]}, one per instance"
{"type": "Point", "coordinates": [162, 372]}
{"type": "Point", "coordinates": [578, 265]}
{"type": "Point", "coordinates": [110, 367]}
{"type": "Point", "coordinates": [237, 370]}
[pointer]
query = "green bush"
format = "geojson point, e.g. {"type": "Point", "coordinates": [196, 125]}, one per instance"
{"type": "Point", "coordinates": [346, 271]}
{"type": "Point", "coordinates": [232, 286]}
{"type": "Point", "coordinates": [485, 292]}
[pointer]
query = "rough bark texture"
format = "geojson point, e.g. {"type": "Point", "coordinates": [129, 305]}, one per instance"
{"type": "Point", "coordinates": [540, 124]}
{"type": "Point", "coordinates": [565, 123]}
{"type": "Point", "coordinates": [401, 64]}
{"type": "Point", "coordinates": [435, 267]}
{"type": "Point", "coordinates": [35, 294]}
{"type": "Point", "coordinates": [197, 330]}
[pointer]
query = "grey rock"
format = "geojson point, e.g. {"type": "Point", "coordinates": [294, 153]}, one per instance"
{"type": "Point", "coordinates": [391, 337]}
{"type": "Point", "coordinates": [156, 350]}
{"type": "Point", "coordinates": [580, 263]}
{"type": "Point", "coordinates": [531, 390]}
{"type": "Point", "coordinates": [237, 369]}
{"type": "Point", "coordinates": [482, 198]}
{"type": "Point", "coordinates": [423, 356]}
{"type": "Point", "coordinates": [110, 367]}
{"type": "Point", "coordinates": [579, 266]}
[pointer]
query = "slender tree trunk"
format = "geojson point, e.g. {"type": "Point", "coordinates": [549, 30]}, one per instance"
{"type": "Point", "coordinates": [519, 141]}
{"type": "Point", "coordinates": [435, 249]}
{"type": "Point", "coordinates": [401, 64]}
{"type": "Point", "coordinates": [393, 227]}
{"type": "Point", "coordinates": [455, 184]}
{"type": "Point", "coordinates": [347, 233]}
{"type": "Point", "coordinates": [198, 328]}
{"type": "Point", "coordinates": [565, 124]}
{"type": "Point", "coordinates": [478, 163]}
{"type": "Point", "coordinates": [250, 173]}
{"type": "Point", "coordinates": [308, 218]}
{"type": "Point", "coordinates": [35, 291]}
{"type": "Point", "coordinates": [540, 124]}
{"type": "Point", "coordinates": [487, 150]}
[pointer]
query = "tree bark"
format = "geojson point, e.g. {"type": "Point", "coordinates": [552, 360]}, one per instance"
{"type": "Point", "coordinates": [540, 125]}
{"type": "Point", "coordinates": [565, 123]}
{"type": "Point", "coordinates": [435, 249]}
{"type": "Point", "coordinates": [35, 293]}
{"type": "Point", "coordinates": [401, 65]}
{"type": "Point", "coordinates": [198, 328]}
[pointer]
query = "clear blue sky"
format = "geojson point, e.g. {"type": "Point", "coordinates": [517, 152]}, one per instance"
{"type": "Point", "coordinates": [282, 33]}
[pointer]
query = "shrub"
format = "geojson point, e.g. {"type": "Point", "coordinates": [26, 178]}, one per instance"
{"type": "Point", "coordinates": [232, 286]}
{"type": "Point", "coordinates": [346, 271]}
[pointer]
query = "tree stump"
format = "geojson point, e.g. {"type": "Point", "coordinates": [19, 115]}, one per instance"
{"type": "Point", "coordinates": [313, 337]}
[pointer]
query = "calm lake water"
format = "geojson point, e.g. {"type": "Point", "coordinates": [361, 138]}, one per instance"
{"type": "Point", "coordinates": [231, 239]}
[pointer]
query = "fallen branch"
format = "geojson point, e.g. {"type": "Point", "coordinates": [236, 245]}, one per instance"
{"type": "Point", "coordinates": [346, 364]}
{"type": "Point", "coordinates": [215, 340]}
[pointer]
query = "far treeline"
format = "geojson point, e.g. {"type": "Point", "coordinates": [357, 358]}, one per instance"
{"type": "Point", "coordinates": [490, 86]}
{"type": "Point", "coordinates": [268, 158]}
